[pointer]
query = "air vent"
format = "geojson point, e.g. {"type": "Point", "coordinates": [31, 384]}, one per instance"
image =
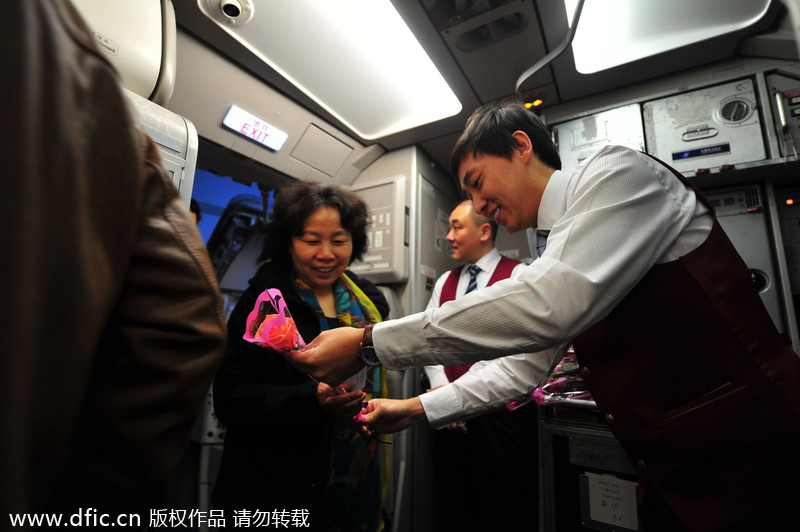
{"type": "Point", "coordinates": [752, 199]}
{"type": "Point", "coordinates": [495, 31]}
{"type": "Point", "coordinates": [736, 201]}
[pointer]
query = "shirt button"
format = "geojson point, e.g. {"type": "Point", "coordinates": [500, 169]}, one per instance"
{"type": "Point", "coordinates": [609, 419]}
{"type": "Point", "coordinates": [585, 371]}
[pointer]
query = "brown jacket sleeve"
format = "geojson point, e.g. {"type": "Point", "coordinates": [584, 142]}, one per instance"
{"type": "Point", "coordinates": [111, 325]}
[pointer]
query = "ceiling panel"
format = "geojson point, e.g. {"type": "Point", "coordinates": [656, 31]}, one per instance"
{"type": "Point", "coordinates": [482, 47]}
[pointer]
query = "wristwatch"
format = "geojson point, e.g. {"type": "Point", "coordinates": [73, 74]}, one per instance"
{"type": "Point", "coordinates": [367, 352]}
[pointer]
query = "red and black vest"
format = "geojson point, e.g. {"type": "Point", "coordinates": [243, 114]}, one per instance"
{"type": "Point", "coordinates": [699, 387]}
{"type": "Point", "coordinates": [502, 271]}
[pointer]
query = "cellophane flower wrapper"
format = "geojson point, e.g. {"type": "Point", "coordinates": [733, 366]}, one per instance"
{"type": "Point", "coordinates": [565, 383]}
{"type": "Point", "coordinates": [270, 324]}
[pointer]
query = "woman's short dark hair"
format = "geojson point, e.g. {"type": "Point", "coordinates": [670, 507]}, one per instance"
{"type": "Point", "coordinates": [490, 131]}
{"type": "Point", "coordinates": [295, 202]}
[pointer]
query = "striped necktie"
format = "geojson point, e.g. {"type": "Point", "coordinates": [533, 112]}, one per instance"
{"type": "Point", "coordinates": [541, 240]}
{"type": "Point", "coordinates": [473, 278]}
{"type": "Point", "coordinates": [454, 372]}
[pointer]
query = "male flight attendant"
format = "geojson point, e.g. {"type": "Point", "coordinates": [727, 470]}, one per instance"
{"type": "Point", "coordinates": [471, 459]}
{"type": "Point", "coordinates": [675, 345]}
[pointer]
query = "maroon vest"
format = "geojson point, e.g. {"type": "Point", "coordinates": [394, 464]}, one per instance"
{"type": "Point", "coordinates": [699, 387]}
{"type": "Point", "coordinates": [502, 271]}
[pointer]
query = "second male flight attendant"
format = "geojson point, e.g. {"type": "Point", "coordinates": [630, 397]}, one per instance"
{"type": "Point", "coordinates": [472, 459]}
{"type": "Point", "coordinates": [676, 347]}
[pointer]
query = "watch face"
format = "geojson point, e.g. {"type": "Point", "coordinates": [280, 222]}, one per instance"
{"type": "Point", "coordinates": [368, 356]}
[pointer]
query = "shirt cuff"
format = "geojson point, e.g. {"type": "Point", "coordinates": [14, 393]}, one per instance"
{"type": "Point", "coordinates": [441, 406]}
{"type": "Point", "coordinates": [407, 344]}
{"type": "Point", "coordinates": [436, 376]}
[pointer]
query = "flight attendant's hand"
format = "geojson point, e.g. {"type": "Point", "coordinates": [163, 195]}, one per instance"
{"type": "Point", "coordinates": [332, 357]}
{"type": "Point", "coordinates": [384, 416]}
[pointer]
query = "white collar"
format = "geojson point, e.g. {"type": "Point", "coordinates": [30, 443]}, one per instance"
{"type": "Point", "coordinates": [554, 200]}
{"type": "Point", "coordinates": [489, 262]}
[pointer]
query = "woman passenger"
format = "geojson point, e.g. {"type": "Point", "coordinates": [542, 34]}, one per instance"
{"type": "Point", "coordinates": [291, 443]}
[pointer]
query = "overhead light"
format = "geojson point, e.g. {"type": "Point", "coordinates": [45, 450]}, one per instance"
{"type": "Point", "coordinates": [615, 32]}
{"type": "Point", "coordinates": [356, 58]}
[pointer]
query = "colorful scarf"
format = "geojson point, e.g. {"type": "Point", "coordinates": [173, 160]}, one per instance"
{"type": "Point", "coordinates": [358, 484]}
{"type": "Point", "coordinates": [353, 307]}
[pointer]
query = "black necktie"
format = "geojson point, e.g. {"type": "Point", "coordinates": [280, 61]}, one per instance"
{"type": "Point", "coordinates": [473, 278]}
{"type": "Point", "coordinates": [541, 240]}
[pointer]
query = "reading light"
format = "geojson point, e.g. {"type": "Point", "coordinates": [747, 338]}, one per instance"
{"type": "Point", "coordinates": [356, 58]}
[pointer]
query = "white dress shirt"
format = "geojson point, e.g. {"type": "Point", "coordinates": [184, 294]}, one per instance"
{"type": "Point", "coordinates": [487, 264]}
{"type": "Point", "coordinates": [615, 217]}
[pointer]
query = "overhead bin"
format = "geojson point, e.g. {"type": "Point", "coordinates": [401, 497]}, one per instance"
{"type": "Point", "coordinates": [139, 40]}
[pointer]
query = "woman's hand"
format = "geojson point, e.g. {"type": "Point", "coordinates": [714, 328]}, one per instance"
{"type": "Point", "coordinates": [338, 401]}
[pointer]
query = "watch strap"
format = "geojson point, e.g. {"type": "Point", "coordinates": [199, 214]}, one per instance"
{"type": "Point", "coordinates": [366, 352]}
{"type": "Point", "coordinates": [366, 340]}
